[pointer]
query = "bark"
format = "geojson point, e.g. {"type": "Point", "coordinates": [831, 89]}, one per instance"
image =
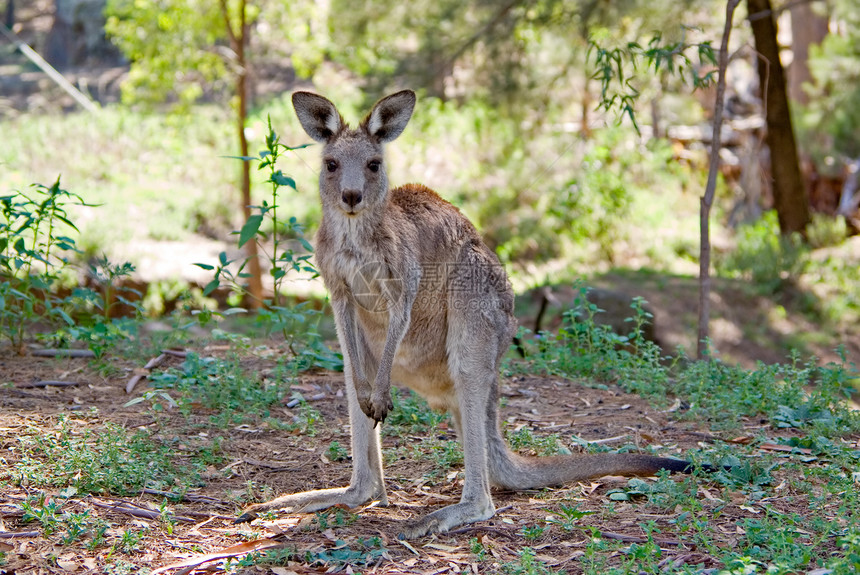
{"type": "Point", "coordinates": [238, 42]}
{"type": "Point", "coordinates": [789, 193]}
{"type": "Point", "coordinates": [702, 349]}
{"type": "Point", "coordinates": [808, 28]}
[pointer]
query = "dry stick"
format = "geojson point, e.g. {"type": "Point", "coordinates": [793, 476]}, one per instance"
{"type": "Point", "coordinates": [136, 511]}
{"type": "Point", "coordinates": [62, 353]}
{"type": "Point", "coordinates": [155, 361]}
{"type": "Point", "coordinates": [184, 496]}
{"type": "Point", "coordinates": [708, 199]}
{"type": "Point", "coordinates": [132, 383]}
{"type": "Point", "coordinates": [175, 353]}
{"type": "Point", "coordinates": [634, 539]}
{"type": "Point", "coordinates": [11, 534]}
{"type": "Point", "coordinates": [150, 365]}
{"type": "Point", "coordinates": [48, 383]}
{"type": "Point", "coordinates": [294, 402]}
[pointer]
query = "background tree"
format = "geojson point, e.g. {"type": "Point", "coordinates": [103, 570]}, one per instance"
{"type": "Point", "coordinates": [181, 49]}
{"type": "Point", "coordinates": [789, 192]}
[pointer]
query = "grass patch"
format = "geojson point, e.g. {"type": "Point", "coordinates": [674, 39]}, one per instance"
{"type": "Point", "coordinates": [797, 394]}
{"type": "Point", "coordinates": [105, 459]}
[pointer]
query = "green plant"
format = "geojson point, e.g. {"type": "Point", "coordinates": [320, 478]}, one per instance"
{"type": "Point", "coordinates": [33, 248]}
{"type": "Point", "coordinates": [129, 541]}
{"type": "Point", "coordinates": [567, 516]}
{"type": "Point", "coordinates": [297, 323]}
{"type": "Point", "coordinates": [334, 518]}
{"type": "Point", "coordinates": [795, 394]}
{"type": "Point", "coordinates": [528, 564]}
{"type": "Point", "coordinates": [337, 452]}
{"type": "Point", "coordinates": [216, 384]}
{"type": "Point", "coordinates": [665, 493]}
{"type": "Point", "coordinates": [476, 546]}
{"type": "Point", "coordinates": [43, 510]}
{"type": "Point", "coordinates": [769, 260]}
{"type": "Point", "coordinates": [533, 532]}
{"type": "Point", "coordinates": [524, 440]}
{"type": "Point", "coordinates": [411, 413]}
{"type": "Point", "coordinates": [104, 460]}
{"type": "Point", "coordinates": [850, 561]}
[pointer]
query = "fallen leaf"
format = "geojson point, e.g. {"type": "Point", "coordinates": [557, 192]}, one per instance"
{"type": "Point", "coordinates": [785, 448]}
{"type": "Point", "coordinates": [232, 551]}
{"type": "Point", "coordinates": [67, 565]}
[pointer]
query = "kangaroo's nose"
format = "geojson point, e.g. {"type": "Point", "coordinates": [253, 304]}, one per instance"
{"type": "Point", "coordinates": [351, 198]}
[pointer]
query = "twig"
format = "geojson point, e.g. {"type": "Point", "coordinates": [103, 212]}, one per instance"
{"type": "Point", "coordinates": [175, 353]}
{"type": "Point", "coordinates": [294, 402]}
{"type": "Point", "coordinates": [234, 551]}
{"type": "Point", "coordinates": [267, 465]}
{"type": "Point", "coordinates": [634, 539]}
{"type": "Point", "coordinates": [209, 515]}
{"type": "Point", "coordinates": [702, 345]}
{"type": "Point", "coordinates": [486, 529]}
{"type": "Point", "coordinates": [183, 496]}
{"type": "Point", "coordinates": [150, 365]}
{"type": "Point", "coordinates": [132, 383]}
{"type": "Point", "coordinates": [137, 511]}
{"type": "Point", "coordinates": [47, 383]}
{"type": "Point", "coordinates": [62, 353]}
{"type": "Point", "coordinates": [155, 361]}
{"type": "Point", "coordinates": [12, 534]}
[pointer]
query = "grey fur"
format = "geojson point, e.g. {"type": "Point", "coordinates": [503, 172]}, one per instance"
{"type": "Point", "coordinates": [419, 298]}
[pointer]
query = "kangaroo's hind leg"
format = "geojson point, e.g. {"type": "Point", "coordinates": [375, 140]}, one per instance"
{"type": "Point", "coordinates": [367, 482]}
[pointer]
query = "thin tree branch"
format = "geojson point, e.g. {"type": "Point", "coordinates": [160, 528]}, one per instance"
{"type": "Point", "coordinates": [708, 199]}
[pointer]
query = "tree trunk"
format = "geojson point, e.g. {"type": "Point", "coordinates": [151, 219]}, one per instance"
{"type": "Point", "coordinates": [808, 28]}
{"type": "Point", "coordinates": [238, 42]}
{"type": "Point", "coordinates": [789, 192]}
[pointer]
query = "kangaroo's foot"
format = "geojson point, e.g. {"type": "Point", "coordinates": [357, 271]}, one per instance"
{"type": "Point", "coordinates": [316, 500]}
{"type": "Point", "coordinates": [447, 518]}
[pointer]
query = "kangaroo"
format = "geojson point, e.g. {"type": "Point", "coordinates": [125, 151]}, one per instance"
{"type": "Point", "coordinates": [419, 298]}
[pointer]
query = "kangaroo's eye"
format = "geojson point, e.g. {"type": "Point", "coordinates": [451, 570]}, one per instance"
{"type": "Point", "coordinates": [373, 165]}
{"type": "Point", "coordinates": [331, 165]}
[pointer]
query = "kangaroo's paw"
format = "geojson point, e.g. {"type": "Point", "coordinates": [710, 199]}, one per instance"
{"type": "Point", "coordinates": [447, 518]}
{"type": "Point", "coordinates": [378, 405]}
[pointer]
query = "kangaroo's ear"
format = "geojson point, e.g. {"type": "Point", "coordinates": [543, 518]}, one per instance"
{"type": "Point", "coordinates": [389, 116]}
{"type": "Point", "coordinates": [318, 116]}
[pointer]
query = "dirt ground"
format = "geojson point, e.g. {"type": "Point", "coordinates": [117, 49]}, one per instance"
{"type": "Point", "coordinates": [266, 461]}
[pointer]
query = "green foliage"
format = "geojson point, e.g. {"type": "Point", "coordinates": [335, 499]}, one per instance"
{"type": "Point", "coordinates": [533, 532]}
{"type": "Point", "coordinates": [35, 263]}
{"type": "Point", "coordinates": [528, 564]}
{"type": "Point", "coordinates": [832, 116]}
{"type": "Point", "coordinates": [672, 58]}
{"type": "Point", "coordinates": [665, 492]}
{"type": "Point", "coordinates": [764, 257]}
{"type": "Point", "coordinates": [290, 254]}
{"type": "Point", "coordinates": [585, 348]}
{"type": "Point", "coordinates": [411, 413]}
{"type": "Point", "coordinates": [171, 46]}
{"type": "Point", "coordinates": [34, 251]}
{"type": "Point", "coordinates": [795, 394]}
{"type": "Point", "coordinates": [108, 460]}
{"type": "Point", "coordinates": [337, 452]}
{"type": "Point", "coordinates": [567, 516]}
{"type": "Point", "coordinates": [525, 440]}
{"type": "Point", "coordinates": [334, 518]}
{"type": "Point", "coordinates": [220, 385]}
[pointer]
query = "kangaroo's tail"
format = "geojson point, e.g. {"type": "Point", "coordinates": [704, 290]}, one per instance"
{"type": "Point", "coordinates": [512, 471]}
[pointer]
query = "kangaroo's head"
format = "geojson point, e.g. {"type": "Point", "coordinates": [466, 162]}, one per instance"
{"type": "Point", "coordinates": [353, 177]}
